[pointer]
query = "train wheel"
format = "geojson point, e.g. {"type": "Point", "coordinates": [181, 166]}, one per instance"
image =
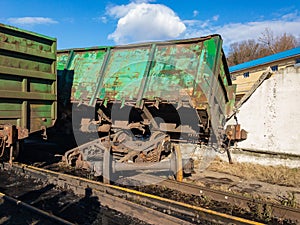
{"type": "Point", "coordinates": [107, 166]}
{"type": "Point", "coordinates": [178, 158]}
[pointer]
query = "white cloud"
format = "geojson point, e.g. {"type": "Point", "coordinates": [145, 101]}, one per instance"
{"type": "Point", "coordinates": [215, 18]}
{"type": "Point", "coordinates": [290, 16]}
{"type": "Point", "coordinates": [195, 13]}
{"type": "Point", "coordinates": [191, 22]}
{"type": "Point", "coordinates": [236, 32]}
{"type": "Point", "coordinates": [31, 20]}
{"type": "Point", "coordinates": [144, 22]}
{"type": "Point", "coordinates": [200, 24]}
{"type": "Point", "coordinates": [102, 19]}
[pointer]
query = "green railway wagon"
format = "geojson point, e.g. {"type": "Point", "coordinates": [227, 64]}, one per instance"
{"type": "Point", "coordinates": [27, 85]}
{"type": "Point", "coordinates": [144, 99]}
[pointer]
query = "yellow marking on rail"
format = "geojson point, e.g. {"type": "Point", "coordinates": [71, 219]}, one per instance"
{"type": "Point", "coordinates": [197, 208]}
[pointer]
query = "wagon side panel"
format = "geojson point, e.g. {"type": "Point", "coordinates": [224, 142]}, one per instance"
{"type": "Point", "coordinates": [27, 79]}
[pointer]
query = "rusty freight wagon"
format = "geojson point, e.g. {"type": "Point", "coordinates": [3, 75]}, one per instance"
{"type": "Point", "coordinates": [27, 86]}
{"type": "Point", "coordinates": [143, 101]}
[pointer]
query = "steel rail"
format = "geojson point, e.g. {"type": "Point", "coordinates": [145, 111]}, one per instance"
{"type": "Point", "coordinates": [103, 192]}
{"type": "Point", "coordinates": [34, 209]}
{"type": "Point", "coordinates": [132, 202]}
{"type": "Point", "coordinates": [277, 210]}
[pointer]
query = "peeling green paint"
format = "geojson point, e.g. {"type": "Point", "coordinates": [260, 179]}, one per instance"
{"type": "Point", "coordinates": [184, 70]}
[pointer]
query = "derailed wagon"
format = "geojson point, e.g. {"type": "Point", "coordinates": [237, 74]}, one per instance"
{"type": "Point", "coordinates": [143, 100]}
{"type": "Point", "coordinates": [27, 86]}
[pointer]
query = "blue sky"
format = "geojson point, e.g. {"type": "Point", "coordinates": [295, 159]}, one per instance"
{"type": "Point", "coordinates": [86, 23]}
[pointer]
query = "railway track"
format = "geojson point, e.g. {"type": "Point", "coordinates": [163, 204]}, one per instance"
{"type": "Point", "coordinates": [146, 207]}
{"type": "Point", "coordinates": [275, 210]}
{"type": "Point", "coordinates": [40, 213]}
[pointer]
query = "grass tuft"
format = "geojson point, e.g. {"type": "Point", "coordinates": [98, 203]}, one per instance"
{"type": "Point", "coordinates": [280, 175]}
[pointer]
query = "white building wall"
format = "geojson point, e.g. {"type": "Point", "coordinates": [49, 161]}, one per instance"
{"type": "Point", "coordinates": [271, 116]}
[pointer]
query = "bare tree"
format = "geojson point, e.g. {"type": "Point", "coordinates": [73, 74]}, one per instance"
{"type": "Point", "coordinates": [267, 39]}
{"type": "Point", "coordinates": [240, 52]}
{"type": "Point", "coordinates": [267, 44]}
{"type": "Point", "coordinates": [284, 42]}
{"type": "Point", "coordinates": [279, 43]}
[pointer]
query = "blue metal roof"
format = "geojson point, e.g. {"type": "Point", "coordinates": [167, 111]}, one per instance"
{"type": "Point", "coordinates": [267, 59]}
